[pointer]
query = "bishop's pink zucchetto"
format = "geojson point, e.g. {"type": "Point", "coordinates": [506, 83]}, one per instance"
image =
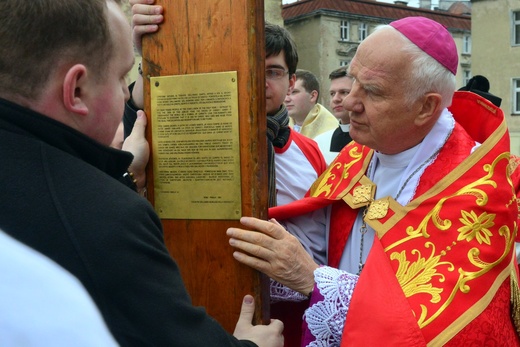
{"type": "Point", "coordinates": [432, 37]}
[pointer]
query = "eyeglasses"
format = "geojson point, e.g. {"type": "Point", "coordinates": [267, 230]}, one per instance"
{"type": "Point", "coordinates": [275, 73]}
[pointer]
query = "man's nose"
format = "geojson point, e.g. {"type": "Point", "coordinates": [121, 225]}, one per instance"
{"type": "Point", "coordinates": [352, 102]}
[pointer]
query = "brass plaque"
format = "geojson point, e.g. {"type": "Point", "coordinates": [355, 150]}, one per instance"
{"type": "Point", "coordinates": [195, 146]}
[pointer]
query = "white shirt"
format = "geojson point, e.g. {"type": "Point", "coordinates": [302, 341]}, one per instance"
{"type": "Point", "coordinates": [324, 140]}
{"type": "Point", "coordinates": [294, 176]}
{"type": "Point", "coordinates": [43, 305]}
{"type": "Point", "coordinates": [386, 174]}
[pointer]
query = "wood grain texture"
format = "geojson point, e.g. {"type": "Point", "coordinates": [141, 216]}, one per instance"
{"type": "Point", "coordinates": [202, 36]}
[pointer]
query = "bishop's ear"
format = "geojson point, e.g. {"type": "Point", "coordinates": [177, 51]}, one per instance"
{"type": "Point", "coordinates": [430, 109]}
{"type": "Point", "coordinates": [75, 90]}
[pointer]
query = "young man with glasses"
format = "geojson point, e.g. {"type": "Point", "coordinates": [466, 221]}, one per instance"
{"type": "Point", "coordinates": [294, 160]}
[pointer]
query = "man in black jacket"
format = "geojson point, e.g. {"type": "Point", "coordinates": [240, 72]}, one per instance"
{"type": "Point", "coordinates": [62, 93]}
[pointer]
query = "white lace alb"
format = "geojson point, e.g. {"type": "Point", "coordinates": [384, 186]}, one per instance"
{"type": "Point", "coordinates": [279, 292]}
{"type": "Point", "coordinates": [326, 319]}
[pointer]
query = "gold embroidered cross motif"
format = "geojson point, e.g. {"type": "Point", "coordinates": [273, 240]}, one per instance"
{"type": "Point", "coordinates": [377, 209]}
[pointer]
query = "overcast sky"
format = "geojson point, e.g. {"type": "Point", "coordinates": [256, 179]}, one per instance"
{"type": "Point", "coordinates": [414, 3]}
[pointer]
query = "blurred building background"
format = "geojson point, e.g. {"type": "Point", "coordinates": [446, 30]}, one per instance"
{"type": "Point", "coordinates": [495, 28]}
{"type": "Point", "coordinates": [328, 32]}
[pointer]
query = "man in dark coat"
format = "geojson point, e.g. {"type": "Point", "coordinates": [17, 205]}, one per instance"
{"type": "Point", "coordinates": [62, 93]}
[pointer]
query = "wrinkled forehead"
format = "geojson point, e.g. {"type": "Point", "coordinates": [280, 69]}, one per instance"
{"type": "Point", "coordinates": [380, 52]}
{"type": "Point", "coordinates": [380, 63]}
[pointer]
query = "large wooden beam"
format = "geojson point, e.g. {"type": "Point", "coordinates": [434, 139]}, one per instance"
{"type": "Point", "coordinates": [201, 36]}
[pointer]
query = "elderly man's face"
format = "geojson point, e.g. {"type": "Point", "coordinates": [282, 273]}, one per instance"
{"type": "Point", "coordinates": [379, 115]}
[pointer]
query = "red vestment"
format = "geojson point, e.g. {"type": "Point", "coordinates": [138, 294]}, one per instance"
{"type": "Point", "coordinates": [442, 270]}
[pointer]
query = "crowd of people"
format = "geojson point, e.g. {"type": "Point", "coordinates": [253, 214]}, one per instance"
{"type": "Point", "coordinates": [394, 225]}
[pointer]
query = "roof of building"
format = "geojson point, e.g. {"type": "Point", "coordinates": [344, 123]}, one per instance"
{"type": "Point", "coordinates": [371, 8]}
{"type": "Point", "coordinates": [460, 8]}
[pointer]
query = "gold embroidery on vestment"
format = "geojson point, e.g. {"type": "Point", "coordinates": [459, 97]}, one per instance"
{"type": "Point", "coordinates": [331, 180]}
{"type": "Point", "coordinates": [416, 276]}
{"type": "Point", "coordinates": [515, 301]}
{"type": "Point", "coordinates": [514, 161]}
{"type": "Point", "coordinates": [378, 209]}
{"type": "Point", "coordinates": [362, 194]}
{"type": "Point", "coordinates": [476, 227]}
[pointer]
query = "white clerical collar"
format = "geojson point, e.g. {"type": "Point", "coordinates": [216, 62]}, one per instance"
{"type": "Point", "coordinates": [344, 127]}
{"type": "Point", "coordinates": [399, 160]}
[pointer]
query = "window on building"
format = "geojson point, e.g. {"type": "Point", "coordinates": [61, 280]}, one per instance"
{"type": "Point", "coordinates": [515, 39]}
{"type": "Point", "coordinates": [466, 76]}
{"type": "Point", "coordinates": [363, 31]}
{"type": "Point", "coordinates": [466, 44]}
{"type": "Point", "coordinates": [345, 30]}
{"type": "Point", "coordinates": [516, 96]}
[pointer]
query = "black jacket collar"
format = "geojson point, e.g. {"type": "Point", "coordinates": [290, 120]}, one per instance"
{"type": "Point", "coordinates": [18, 119]}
